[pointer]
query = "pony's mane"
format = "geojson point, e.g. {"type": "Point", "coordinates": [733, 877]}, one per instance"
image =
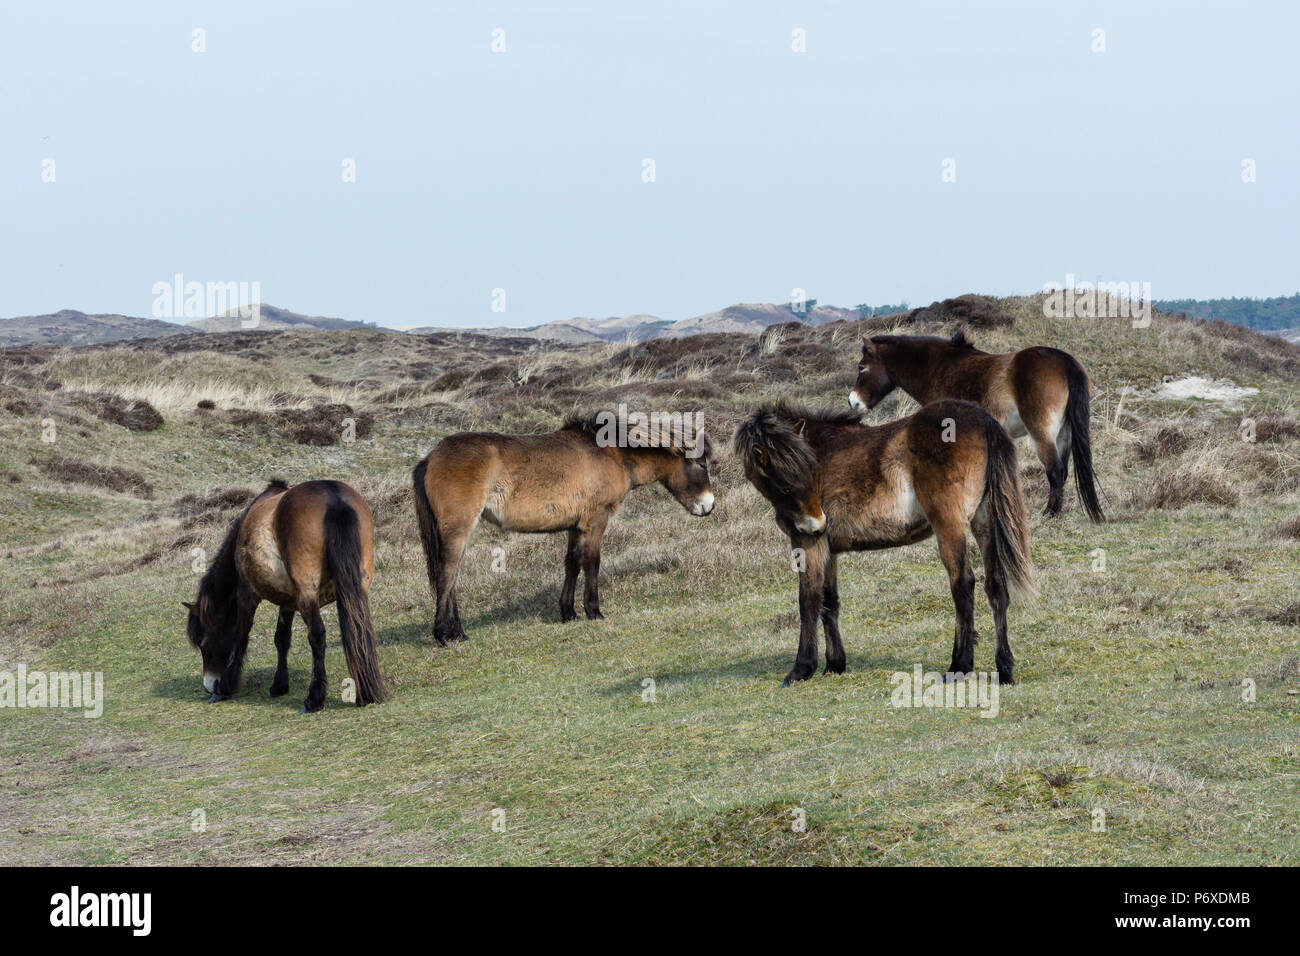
{"type": "Point", "coordinates": [654, 435]}
{"type": "Point", "coordinates": [219, 583]}
{"type": "Point", "coordinates": [785, 454]}
{"type": "Point", "coordinates": [959, 339]}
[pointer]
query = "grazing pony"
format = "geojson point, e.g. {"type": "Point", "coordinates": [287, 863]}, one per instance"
{"type": "Point", "coordinates": [838, 485]}
{"type": "Point", "coordinates": [573, 480]}
{"type": "Point", "coordinates": [1042, 392]}
{"type": "Point", "coordinates": [299, 548]}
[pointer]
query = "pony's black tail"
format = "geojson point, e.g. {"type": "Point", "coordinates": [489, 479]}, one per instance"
{"type": "Point", "coordinates": [1078, 412]}
{"type": "Point", "coordinates": [429, 535]}
{"type": "Point", "coordinates": [1006, 505]}
{"type": "Point", "coordinates": [343, 555]}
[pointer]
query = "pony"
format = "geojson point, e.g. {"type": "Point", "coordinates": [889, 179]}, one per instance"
{"type": "Point", "coordinates": [572, 480]}
{"type": "Point", "coordinates": [838, 485]}
{"type": "Point", "coordinates": [299, 548]}
{"type": "Point", "coordinates": [1042, 392]}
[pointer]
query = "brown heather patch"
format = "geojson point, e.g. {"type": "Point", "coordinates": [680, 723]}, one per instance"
{"type": "Point", "coordinates": [1287, 529]}
{"type": "Point", "coordinates": [1288, 616]}
{"type": "Point", "coordinates": [1177, 488]}
{"type": "Point", "coordinates": [137, 414]}
{"type": "Point", "coordinates": [320, 425]}
{"type": "Point", "coordinates": [76, 471]}
{"type": "Point", "coordinates": [1167, 441]}
{"type": "Point", "coordinates": [1276, 427]}
{"type": "Point", "coordinates": [195, 509]}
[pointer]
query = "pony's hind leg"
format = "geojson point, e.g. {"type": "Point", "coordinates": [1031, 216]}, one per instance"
{"type": "Point", "coordinates": [831, 617]}
{"type": "Point", "coordinates": [446, 622]}
{"type": "Point", "coordinates": [310, 612]}
{"type": "Point", "coordinates": [283, 637]}
{"type": "Point", "coordinates": [995, 587]}
{"type": "Point", "coordinates": [961, 580]}
{"type": "Point", "coordinates": [1056, 465]}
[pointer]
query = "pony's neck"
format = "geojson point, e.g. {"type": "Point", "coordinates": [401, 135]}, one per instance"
{"type": "Point", "coordinates": [912, 368]}
{"type": "Point", "coordinates": [646, 465]}
{"type": "Point", "coordinates": [221, 581]}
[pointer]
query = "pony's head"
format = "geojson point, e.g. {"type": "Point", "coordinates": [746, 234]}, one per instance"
{"type": "Point", "coordinates": [211, 632]}
{"type": "Point", "coordinates": [670, 451]}
{"type": "Point", "coordinates": [688, 479]}
{"type": "Point", "coordinates": [874, 381]}
{"type": "Point", "coordinates": [210, 624]}
{"type": "Point", "coordinates": [780, 463]}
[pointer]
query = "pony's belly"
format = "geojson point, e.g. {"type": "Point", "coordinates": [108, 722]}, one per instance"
{"type": "Point", "coordinates": [541, 520]}
{"type": "Point", "coordinates": [889, 523]}
{"type": "Point", "coordinates": [264, 569]}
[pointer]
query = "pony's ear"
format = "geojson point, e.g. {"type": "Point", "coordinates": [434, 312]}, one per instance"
{"type": "Point", "coordinates": [189, 607]}
{"type": "Point", "coordinates": [761, 456]}
{"type": "Point", "coordinates": [799, 427]}
{"type": "Point", "coordinates": [868, 347]}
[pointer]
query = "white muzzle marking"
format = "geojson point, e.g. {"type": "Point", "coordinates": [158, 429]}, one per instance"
{"type": "Point", "coordinates": [855, 402]}
{"type": "Point", "coordinates": [810, 525]}
{"type": "Point", "coordinates": [210, 682]}
{"type": "Point", "coordinates": [704, 505]}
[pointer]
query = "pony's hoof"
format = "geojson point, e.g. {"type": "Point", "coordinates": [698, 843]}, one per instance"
{"type": "Point", "coordinates": [1006, 678]}
{"type": "Point", "coordinates": [834, 668]}
{"type": "Point", "coordinates": [786, 682]}
{"type": "Point", "coordinates": [279, 691]}
{"type": "Point", "coordinates": [214, 699]}
{"type": "Point", "coordinates": [595, 616]}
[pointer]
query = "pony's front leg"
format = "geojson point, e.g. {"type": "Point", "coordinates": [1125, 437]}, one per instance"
{"type": "Point", "coordinates": [310, 611]}
{"type": "Point", "coordinates": [591, 567]}
{"type": "Point", "coordinates": [246, 602]}
{"type": "Point", "coordinates": [283, 637]}
{"type": "Point", "coordinates": [810, 554]}
{"type": "Point", "coordinates": [831, 617]}
{"type": "Point", "coordinates": [572, 561]}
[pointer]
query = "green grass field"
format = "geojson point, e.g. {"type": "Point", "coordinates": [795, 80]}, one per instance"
{"type": "Point", "coordinates": [540, 742]}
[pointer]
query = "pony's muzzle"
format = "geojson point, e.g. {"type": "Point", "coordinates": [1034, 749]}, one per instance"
{"type": "Point", "coordinates": [810, 525]}
{"type": "Point", "coordinates": [703, 505]}
{"type": "Point", "coordinates": [856, 403]}
{"type": "Point", "coordinates": [210, 681]}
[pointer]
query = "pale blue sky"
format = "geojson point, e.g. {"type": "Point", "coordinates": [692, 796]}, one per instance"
{"type": "Point", "coordinates": [523, 170]}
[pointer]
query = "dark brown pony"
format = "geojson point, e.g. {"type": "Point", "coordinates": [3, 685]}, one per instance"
{"type": "Point", "coordinates": [838, 486]}
{"type": "Point", "coordinates": [1042, 392]}
{"type": "Point", "coordinates": [299, 548]}
{"type": "Point", "coordinates": [570, 480]}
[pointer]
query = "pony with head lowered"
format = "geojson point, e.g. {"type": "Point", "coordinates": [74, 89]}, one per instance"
{"type": "Point", "coordinates": [300, 548]}
{"type": "Point", "coordinates": [1040, 392]}
{"type": "Point", "coordinates": [572, 480]}
{"type": "Point", "coordinates": [838, 485]}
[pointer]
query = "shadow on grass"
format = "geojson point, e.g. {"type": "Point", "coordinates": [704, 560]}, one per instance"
{"type": "Point", "coordinates": [771, 667]}
{"type": "Point", "coordinates": [255, 688]}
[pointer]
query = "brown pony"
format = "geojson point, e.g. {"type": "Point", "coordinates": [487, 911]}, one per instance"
{"type": "Point", "coordinates": [838, 485]}
{"type": "Point", "coordinates": [299, 548]}
{"type": "Point", "coordinates": [573, 480]}
{"type": "Point", "coordinates": [1042, 392]}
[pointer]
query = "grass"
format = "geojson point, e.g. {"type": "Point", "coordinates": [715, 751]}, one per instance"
{"type": "Point", "coordinates": [1129, 700]}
